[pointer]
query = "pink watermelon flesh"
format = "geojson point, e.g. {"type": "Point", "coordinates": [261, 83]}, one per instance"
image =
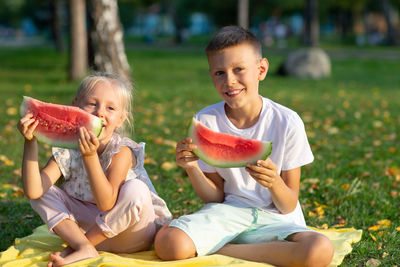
{"type": "Point", "coordinates": [225, 150]}
{"type": "Point", "coordinates": [58, 124]}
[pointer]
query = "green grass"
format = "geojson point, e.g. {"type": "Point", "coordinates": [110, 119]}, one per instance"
{"type": "Point", "coordinates": [352, 120]}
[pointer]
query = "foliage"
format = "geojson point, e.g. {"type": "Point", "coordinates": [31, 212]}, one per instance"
{"type": "Point", "coordinates": [352, 121]}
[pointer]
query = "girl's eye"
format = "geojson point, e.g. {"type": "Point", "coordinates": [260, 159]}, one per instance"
{"type": "Point", "coordinates": [238, 69]}
{"type": "Point", "coordinates": [219, 73]}
{"type": "Point", "coordinates": [111, 108]}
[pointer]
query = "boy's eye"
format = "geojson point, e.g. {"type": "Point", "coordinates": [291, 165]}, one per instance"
{"type": "Point", "coordinates": [92, 104]}
{"type": "Point", "coordinates": [219, 73]}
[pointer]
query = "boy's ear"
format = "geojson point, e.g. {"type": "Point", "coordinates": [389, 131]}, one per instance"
{"type": "Point", "coordinates": [263, 69]}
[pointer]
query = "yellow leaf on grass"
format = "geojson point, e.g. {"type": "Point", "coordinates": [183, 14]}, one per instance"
{"type": "Point", "coordinates": [385, 223]}
{"type": "Point", "coordinates": [12, 111]}
{"type": "Point", "coordinates": [18, 193]}
{"type": "Point", "coordinates": [3, 195]}
{"type": "Point", "coordinates": [373, 237]}
{"type": "Point", "coordinates": [398, 228]}
{"type": "Point", "coordinates": [168, 165]}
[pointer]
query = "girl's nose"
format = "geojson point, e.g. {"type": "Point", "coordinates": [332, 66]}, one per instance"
{"type": "Point", "coordinates": [100, 112]}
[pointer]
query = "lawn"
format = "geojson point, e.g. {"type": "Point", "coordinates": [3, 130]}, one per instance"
{"type": "Point", "coordinates": [352, 121]}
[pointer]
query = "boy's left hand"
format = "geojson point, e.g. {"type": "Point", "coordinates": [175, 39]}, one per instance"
{"type": "Point", "coordinates": [88, 142]}
{"type": "Point", "coordinates": [265, 172]}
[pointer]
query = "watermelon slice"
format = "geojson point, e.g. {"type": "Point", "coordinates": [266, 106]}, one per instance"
{"type": "Point", "coordinates": [58, 124]}
{"type": "Point", "coordinates": [225, 150]}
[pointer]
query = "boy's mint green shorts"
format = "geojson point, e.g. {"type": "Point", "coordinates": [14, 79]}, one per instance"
{"type": "Point", "coordinates": [217, 224]}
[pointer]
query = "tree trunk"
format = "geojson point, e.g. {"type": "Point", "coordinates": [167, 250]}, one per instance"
{"type": "Point", "coordinates": [391, 32]}
{"type": "Point", "coordinates": [106, 38]}
{"type": "Point", "coordinates": [78, 42]}
{"type": "Point", "coordinates": [311, 29]}
{"type": "Point", "coordinates": [243, 13]}
{"type": "Point", "coordinates": [58, 18]}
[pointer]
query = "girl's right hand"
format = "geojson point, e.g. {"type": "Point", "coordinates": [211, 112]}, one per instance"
{"type": "Point", "coordinates": [185, 157]}
{"type": "Point", "coordinates": [27, 125]}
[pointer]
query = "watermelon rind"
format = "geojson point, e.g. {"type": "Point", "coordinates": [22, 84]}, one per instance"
{"type": "Point", "coordinates": [95, 126]}
{"type": "Point", "coordinates": [265, 152]}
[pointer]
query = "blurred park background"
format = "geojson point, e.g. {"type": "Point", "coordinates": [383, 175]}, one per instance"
{"type": "Point", "coordinates": [349, 97]}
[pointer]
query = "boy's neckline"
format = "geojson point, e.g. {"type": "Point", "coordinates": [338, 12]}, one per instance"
{"type": "Point", "coordinates": [248, 124]}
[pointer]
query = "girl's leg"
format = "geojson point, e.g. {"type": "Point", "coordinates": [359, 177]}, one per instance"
{"type": "Point", "coordinates": [303, 249]}
{"type": "Point", "coordinates": [79, 247]}
{"type": "Point", "coordinates": [62, 214]}
{"type": "Point", "coordinates": [129, 226]}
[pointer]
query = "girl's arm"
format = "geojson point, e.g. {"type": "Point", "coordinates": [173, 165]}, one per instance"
{"type": "Point", "coordinates": [34, 181]}
{"type": "Point", "coordinates": [284, 188]}
{"type": "Point", "coordinates": [104, 186]}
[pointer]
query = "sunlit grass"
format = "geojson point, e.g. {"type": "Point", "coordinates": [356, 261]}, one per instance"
{"type": "Point", "coordinates": [352, 121]}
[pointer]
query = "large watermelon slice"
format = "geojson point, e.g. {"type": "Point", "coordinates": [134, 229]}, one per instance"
{"type": "Point", "coordinates": [225, 150]}
{"type": "Point", "coordinates": [58, 124]}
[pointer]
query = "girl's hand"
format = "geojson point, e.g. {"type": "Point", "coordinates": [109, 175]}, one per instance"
{"type": "Point", "coordinates": [27, 125]}
{"type": "Point", "coordinates": [88, 142]}
{"type": "Point", "coordinates": [184, 153]}
{"type": "Point", "coordinates": [265, 172]}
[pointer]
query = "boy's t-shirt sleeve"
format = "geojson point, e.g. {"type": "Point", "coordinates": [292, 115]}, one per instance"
{"type": "Point", "coordinates": [297, 150]}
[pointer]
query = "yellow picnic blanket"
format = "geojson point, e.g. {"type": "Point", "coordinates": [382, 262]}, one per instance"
{"type": "Point", "coordinates": [34, 250]}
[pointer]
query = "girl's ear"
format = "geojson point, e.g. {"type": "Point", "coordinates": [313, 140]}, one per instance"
{"type": "Point", "coordinates": [263, 69]}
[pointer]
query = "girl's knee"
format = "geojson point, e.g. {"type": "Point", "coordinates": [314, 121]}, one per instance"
{"type": "Point", "coordinates": [172, 243]}
{"type": "Point", "coordinates": [134, 191]}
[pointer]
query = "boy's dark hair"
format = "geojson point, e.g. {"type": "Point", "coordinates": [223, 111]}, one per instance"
{"type": "Point", "coordinates": [230, 36]}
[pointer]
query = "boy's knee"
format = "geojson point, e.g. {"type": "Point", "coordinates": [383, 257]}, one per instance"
{"type": "Point", "coordinates": [172, 243]}
{"type": "Point", "coordinates": [320, 252]}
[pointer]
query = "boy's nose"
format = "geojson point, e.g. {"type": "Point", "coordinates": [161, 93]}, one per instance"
{"type": "Point", "coordinates": [230, 79]}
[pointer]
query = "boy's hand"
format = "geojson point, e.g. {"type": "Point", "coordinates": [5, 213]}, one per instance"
{"type": "Point", "coordinates": [184, 153]}
{"type": "Point", "coordinates": [88, 142]}
{"type": "Point", "coordinates": [27, 125]}
{"type": "Point", "coordinates": [265, 172]}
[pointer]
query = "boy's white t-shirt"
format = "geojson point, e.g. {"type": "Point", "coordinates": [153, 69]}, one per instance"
{"type": "Point", "coordinates": [290, 150]}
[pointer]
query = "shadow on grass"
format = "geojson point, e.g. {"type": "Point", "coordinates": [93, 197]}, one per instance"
{"type": "Point", "coordinates": [17, 219]}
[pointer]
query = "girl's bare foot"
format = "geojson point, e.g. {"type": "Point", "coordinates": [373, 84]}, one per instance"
{"type": "Point", "coordinates": [68, 255]}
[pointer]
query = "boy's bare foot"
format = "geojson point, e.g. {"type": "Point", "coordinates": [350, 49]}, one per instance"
{"type": "Point", "coordinates": [68, 255]}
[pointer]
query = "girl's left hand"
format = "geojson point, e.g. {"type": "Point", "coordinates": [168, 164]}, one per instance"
{"type": "Point", "coordinates": [88, 142]}
{"type": "Point", "coordinates": [265, 172]}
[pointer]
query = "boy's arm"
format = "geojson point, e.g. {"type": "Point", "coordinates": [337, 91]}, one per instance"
{"type": "Point", "coordinates": [208, 186]}
{"type": "Point", "coordinates": [284, 188]}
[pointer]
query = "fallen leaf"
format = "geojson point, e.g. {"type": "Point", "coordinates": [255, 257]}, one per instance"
{"type": "Point", "coordinates": [12, 111]}
{"type": "Point", "coordinates": [168, 165]}
{"type": "Point", "coordinates": [373, 263]}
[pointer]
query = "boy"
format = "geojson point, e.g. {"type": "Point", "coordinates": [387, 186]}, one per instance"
{"type": "Point", "coordinates": [251, 213]}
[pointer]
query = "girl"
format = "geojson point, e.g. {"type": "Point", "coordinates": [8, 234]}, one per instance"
{"type": "Point", "coordinates": [107, 201]}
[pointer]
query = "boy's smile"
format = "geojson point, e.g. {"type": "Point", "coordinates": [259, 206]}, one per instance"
{"type": "Point", "coordinates": [236, 72]}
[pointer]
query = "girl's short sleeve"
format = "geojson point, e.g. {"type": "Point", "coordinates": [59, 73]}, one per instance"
{"type": "Point", "coordinates": [63, 159]}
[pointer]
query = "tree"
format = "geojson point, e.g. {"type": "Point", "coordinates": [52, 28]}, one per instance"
{"type": "Point", "coordinates": [57, 23]}
{"type": "Point", "coordinates": [311, 29]}
{"type": "Point", "coordinates": [78, 60]}
{"type": "Point", "coordinates": [243, 13]}
{"type": "Point", "coordinates": [391, 32]}
{"type": "Point", "coordinates": [106, 38]}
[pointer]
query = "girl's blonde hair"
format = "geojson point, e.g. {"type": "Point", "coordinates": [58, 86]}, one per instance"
{"type": "Point", "coordinates": [123, 88]}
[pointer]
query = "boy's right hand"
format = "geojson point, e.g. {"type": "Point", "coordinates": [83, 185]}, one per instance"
{"type": "Point", "coordinates": [185, 157]}
{"type": "Point", "coordinates": [27, 125]}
